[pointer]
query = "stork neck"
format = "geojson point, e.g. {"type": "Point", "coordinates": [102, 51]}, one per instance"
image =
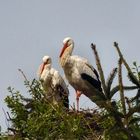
{"type": "Point", "coordinates": [64, 59]}
{"type": "Point", "coordinates": [48, 66]}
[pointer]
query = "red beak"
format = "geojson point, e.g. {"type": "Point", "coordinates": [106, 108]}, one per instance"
{"type": "Point", "coordinates": [63, 49]}
{"type": "Point", "coordinates": [41, 68]}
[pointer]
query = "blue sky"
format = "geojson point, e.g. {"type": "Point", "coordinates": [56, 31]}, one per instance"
{"type": "Point", "coordinates": [30, 29]}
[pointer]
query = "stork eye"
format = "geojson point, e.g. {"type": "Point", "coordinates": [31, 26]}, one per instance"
{"type": "Point", "coordinates": [48, 60]}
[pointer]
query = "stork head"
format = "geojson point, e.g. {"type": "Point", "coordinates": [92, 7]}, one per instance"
{"type": "Point", "coordinates": [68, 45]}
{"type": "Point", "coordinates": [68, 40]}
{"type": "Point", "coordinates": [46, 63]}
{"type": "Point", "coordinates": [47, 60]}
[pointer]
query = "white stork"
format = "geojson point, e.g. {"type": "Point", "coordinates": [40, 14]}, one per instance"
{"type": "Point", "coordinates": [53, 84]}
{"type": "Point", "coordinates": [79, 73]}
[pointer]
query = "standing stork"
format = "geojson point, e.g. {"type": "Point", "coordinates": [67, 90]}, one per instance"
{"type": "Point", "coordinates": [79, 73]}
{"type": "Point", "coordinates": [53, 84]}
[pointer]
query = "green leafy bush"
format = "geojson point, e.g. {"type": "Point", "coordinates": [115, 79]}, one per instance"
{"type": "Point", "coordinates": [35, 118]}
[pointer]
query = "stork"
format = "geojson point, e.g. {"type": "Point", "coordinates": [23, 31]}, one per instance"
{"type": "Point", "coordinates": [78, 71]}
{"type": "Point", "coordinates": [53, 84]}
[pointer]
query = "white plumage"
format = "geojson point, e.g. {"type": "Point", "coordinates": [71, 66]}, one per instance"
{"type": "Point", "coordinates": [79, 73]}
{"type": "Point", "coordinates": [53, 84]}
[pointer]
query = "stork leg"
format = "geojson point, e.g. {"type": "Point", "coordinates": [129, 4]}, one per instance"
{"type": "Point", "coordinates": [78, 94]}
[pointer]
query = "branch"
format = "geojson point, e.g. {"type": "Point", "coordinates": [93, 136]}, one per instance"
{"type": "Point", "coordinates": [23, 74]}
{"type": "Point", "coordinates": [132, 111]}
{"type": "Point", "coordinates": [99, 67]}
{"type": "Point", "coordinates": [121, 86]}
{"type": "Point", "coordinates": [130, 73]}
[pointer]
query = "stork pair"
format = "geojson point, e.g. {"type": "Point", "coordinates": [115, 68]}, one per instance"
{"type": "Point", "coordinates": [78, 71]}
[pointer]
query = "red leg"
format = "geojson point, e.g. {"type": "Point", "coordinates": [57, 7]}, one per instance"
{"type": "Point", "coordinates": [78, 94]}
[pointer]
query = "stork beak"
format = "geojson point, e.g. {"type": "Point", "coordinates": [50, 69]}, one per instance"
{"type": "Point", "coordinates": [41, 68]}
{"type": "Point", "coordinates": [63, 49]}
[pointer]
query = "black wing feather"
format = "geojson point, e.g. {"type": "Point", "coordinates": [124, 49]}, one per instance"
{"type": "Point", "coordinates": [96, 84]}
{"type": "Point", "coordinates": [63, 95]}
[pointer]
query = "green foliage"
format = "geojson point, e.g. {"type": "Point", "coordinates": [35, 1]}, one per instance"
{"type": "Point", "coordinates": [35, 118]}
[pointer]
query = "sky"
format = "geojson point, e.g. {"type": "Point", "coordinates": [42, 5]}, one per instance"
{"type": "Point", "coordinates": [30, 29]}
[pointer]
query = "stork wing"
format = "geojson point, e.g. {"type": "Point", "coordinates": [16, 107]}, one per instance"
{"type": "Point", "coordinates": [61, 88]}
{"type": "Point", "coordinates": [91, 75]}
{"type": "Point", "coordinates": [94, 70]}
{"type": "Point", "coordinates": [96, 84]}
{"type": "Point", "coordinates": [83, 64]}
{"type": "Point", "coordinates": [63, 95]}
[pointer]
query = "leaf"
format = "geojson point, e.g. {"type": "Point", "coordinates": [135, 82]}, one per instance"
{"type": "Point", "coordinates": [116, 89]}
{"type": "Point", "coordinates": [134, 120]}
{"type": "Point", "coordinates": [135, 64]}
{"type": "Point", "coordinates": [139, 75]}
{"type": "Point", "coordinates": [110, 80]}
{"type": "Point", "coordinates": [133, 110]}
{"type": "Point", "coordinates": [136, 132]}
{"type": "Point", "coordinates": [133, 79]}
